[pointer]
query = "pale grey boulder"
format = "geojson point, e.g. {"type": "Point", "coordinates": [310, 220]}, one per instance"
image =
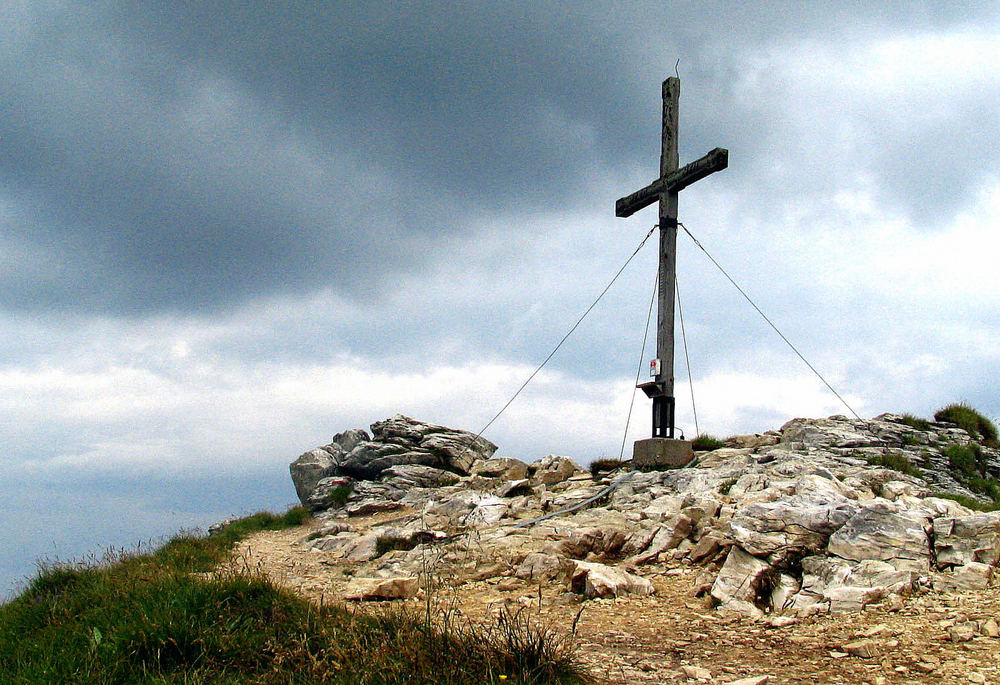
{"type": "Point", "coordinates": [742, 583]}
{"type": "Point", "coordinates": [406, 476]}
{"type": "Point", "coordinates": [401, 430]}
{"type": "Point", "coordinates": [369, 459]}
{"type": "Point", "coordinates": [380, 589]}
{"type": "Point", "coordinates": [835, 431]}
{"type": "Point", "coordinates": [792, 527]}
{"type": "Point", "coordinates": [671, 533]}
{"type": "Point", "coordinates": [486, 512]}
{"type": "Point", "coordinates": [639, 540]}
{"type": "Point", "coordinates": [965, 539]}
{"type": "Point", "coordinates": [322, 462]}
{"type": "Point", "coordinates": [513, 487]}
{"type": "Point", "coordinates": [783, 591]}
{"type": "Point", "coordinates": [350, 439]}
{"type": "Point", "coordinates": [312, 467]}
{"type": "Point", "coordinates": [552, 469]}
{"type": "Point", "coordinates": [972, 576]}
{"type": "Point", "coordinates": [401, 440]}
{"type": "Point", "coordinates": [506, 468]}
{"type": "Point", "coordinates": [881, 533]}
{"type": "Point", "coordinates": [598, 580]}
{"type": "Point", "coordinates": [843, 585]}
{"type": "Point", "coordinates": [540, 566]}
{"type": "Point", "coordinates": [598, 540]}
{"type": "Point", "coordinates": [348, 546]}
{"type": "Point", "coordinates": [455, 449]}
{"type": "Point", "coordinates": [663, 507]}
{"type": "Point", "coordinates": [333, 542]}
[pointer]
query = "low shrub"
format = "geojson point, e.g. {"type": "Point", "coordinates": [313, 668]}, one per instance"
{"type": "Point", "coordinates": [985, 486]}
{"type": "Point", "coordinates": [599, 466]}
{"type": "Point", "coordinates": [980, 428]}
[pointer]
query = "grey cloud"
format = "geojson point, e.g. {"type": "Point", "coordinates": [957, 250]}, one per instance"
{"type": "Point", "coordinates": [189, 156]}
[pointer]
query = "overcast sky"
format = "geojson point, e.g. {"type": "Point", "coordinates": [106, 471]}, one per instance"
{"type": "Point", "coordinates": [226, 234]}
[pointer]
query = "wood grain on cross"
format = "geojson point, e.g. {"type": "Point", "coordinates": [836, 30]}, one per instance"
{"type": "Point", "coordinates": [664, 189]}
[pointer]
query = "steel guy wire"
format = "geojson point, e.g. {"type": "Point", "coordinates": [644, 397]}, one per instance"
{"type": "Point", "coordinates": [564, 338]}
{"type": "Point", "coordinates": [687, 359]}
{"type": "Point", "coordinates": [771, 323]}
{"type": "Point", "coordinates": [638, 371]}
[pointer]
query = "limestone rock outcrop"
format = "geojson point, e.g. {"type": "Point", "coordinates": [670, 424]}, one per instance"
{"type": "Point", "coordinates": [821, 515]}
{"type": "Point", "coordinates": [398, 446]}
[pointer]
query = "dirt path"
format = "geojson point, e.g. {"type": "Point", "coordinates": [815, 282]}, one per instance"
{"type": "Point", "coordinates": [650, 639]}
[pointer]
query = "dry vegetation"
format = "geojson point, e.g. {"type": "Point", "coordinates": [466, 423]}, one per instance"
{"type": "Point", "coordinates": [651, 639]}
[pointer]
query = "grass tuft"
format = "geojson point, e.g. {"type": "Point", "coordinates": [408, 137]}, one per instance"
{"type": "Point", "coordinates": [967, 464]}
{"type": "Point", "coordinates": [965, 461]}
{"type": "Point", "coordinates": [916, 422]}
{"type": "Point", "coordinates": [706, 443]}
{"type": "Point", "coordinates": [969, 502]}
{"type": "Point", "coordinates": [896, 462]}
{"type": "Point", "coordinates": [979, 428]}
{"type": "Point", "coordinates": [338, 497]}
{"type": "Point", "coordinates": [601, 466]}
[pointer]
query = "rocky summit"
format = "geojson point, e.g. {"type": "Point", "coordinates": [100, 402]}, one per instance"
{"type": "Point", "coordinates": [821, 515]}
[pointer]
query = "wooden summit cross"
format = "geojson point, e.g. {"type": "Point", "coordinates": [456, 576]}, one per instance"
{"type": "Point", "coordinates": [671, 181]}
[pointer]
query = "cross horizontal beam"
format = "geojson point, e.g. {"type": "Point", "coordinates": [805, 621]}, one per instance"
{"type": "Point", "coordinates": [675, 181]}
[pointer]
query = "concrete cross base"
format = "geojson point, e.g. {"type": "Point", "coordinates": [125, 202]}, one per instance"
{"type": "Point", "coordinates": [662, 452]}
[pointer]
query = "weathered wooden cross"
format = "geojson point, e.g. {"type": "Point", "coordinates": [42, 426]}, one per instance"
{"type": "Point", "coordinates": [671, 181]}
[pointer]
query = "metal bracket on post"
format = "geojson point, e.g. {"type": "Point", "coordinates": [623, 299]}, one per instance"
{"type": "Point", "coordinates": [663, 417]}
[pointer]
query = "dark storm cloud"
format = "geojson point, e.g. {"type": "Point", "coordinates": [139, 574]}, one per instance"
{"type": "Point", "coordinates": [190, 155]}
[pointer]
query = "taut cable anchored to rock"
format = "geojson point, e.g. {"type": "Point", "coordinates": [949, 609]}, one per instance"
{"type": "Point", "coordinates": [565, 337]}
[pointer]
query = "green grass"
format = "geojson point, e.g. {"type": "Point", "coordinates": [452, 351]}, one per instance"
{"type": "Point", "coordinates": [706, 443]}
{"type": "Point", "coordinates": [916, 422]}
{"type": "Point", "coordinates": [338, 497]}
{"type": "Point", "coordinates": [896, 462]}
{"type": "Point", "coordinates": [967, 464]}
{"type": "Point", "coordinates": [970, 502]}
{"type": "Point", "coordinates": [965, 461]}
{"type": "Point", "coordinates": [727, 485]}
{"type": "Point", "coordinates": [159, 618]}
{"type": "Point", "coordinates": [985, 486]}
{"type": "Point", "coordinates": [980, 428]}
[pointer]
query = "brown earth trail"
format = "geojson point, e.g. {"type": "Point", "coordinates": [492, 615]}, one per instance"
{"type": "Point", "coordinates": [674, 637]}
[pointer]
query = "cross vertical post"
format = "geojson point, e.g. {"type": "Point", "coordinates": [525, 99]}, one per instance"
{"type": "Point", "coordinates": [664, 190]}
{"type": "Point", "coordinates": [663, 405]}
